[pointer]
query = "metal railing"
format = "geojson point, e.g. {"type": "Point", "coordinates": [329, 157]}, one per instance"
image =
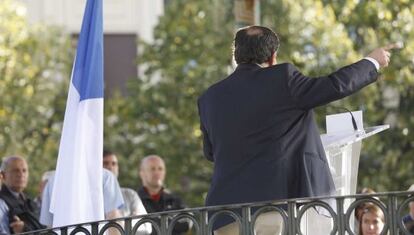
{"type": "Point", "coordinates": [294, 212]}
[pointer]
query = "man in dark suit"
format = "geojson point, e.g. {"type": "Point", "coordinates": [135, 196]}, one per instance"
{"type": "Point", "coordinates": [259, 127]}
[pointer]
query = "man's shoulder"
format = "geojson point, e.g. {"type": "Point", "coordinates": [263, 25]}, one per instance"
{"type": "Point", "coordinates": [4, 191]}
{"type": "Point", "coordinates": [4, 215]}
{"type": "Point", "coordinates": [109, 179]}
{"type": "Point", "coordinates": [143, 194]}
{"type": "Point", "coordinates": [106, 174]}
{"type": "Point", "coordinates": [172, 201]}
{"type": "Point", "coordinates": [128, 192]}
{"type": "Point", "coordinates": [168, 195]}
{"type": "Point", "coordinates": [6, 197]}
{"type": "Point", "coordinates": [407, 218]}
{"type": "Point", "coordinates": [211, 89]}
{"type": "Point", "coordinates": [277, 68]}
{"type": "Point", "coordinates": [280, 68]}
{"type": "Point", "coordinates": [4, 208]}
{"type": "Point", "coordinates": [3, 203]}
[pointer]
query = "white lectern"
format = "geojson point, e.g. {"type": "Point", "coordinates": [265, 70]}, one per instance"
{"type": "Point", "coordinates": [342, 151]}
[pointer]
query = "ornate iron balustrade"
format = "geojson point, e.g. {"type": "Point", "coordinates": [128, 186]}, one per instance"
{"type": "Point", "coordinates": [293, 211]}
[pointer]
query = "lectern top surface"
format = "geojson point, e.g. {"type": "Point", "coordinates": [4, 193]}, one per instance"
{"type": "Point", "coordinates": [341, 139]}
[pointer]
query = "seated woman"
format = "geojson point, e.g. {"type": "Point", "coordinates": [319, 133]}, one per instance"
{"type": "Point", "coordinates": [371, 221]}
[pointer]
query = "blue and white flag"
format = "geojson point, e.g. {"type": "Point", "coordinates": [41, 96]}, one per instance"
{"type": "Point", "coordinates": [77, 195]}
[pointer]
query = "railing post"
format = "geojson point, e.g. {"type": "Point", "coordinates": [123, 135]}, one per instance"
{"type": "Point", "coordinates": [64, 231]}
{"type": "Point", "coordinates": [340, 215]}
{"type": "Point", "coordinates": [94, 228]}
{"type": "Point", "coordinates": [128, 226]}
{"type": "Point", "coordinates": [203, 223]}
{"type": "Point", "coordinates": [164, 224]}
{"type": "Point", "coordinates": [246, 221]}
{"type": "Point", "coordinates": [392, 214]}
{"type": "Point", "coordinates": [291, 218]}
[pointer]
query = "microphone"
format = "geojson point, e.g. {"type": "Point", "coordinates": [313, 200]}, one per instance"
{"type": "Point", "coordinates": [352, 116]}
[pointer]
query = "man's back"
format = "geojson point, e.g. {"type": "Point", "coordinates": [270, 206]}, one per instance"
{"type": "Point", "coordinates": [260, 131]}
{"type": "Point", "coordinates": [256, 127]}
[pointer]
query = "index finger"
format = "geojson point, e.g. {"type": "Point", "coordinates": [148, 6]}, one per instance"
{"type": "Point", "coordinates": [392, 46]}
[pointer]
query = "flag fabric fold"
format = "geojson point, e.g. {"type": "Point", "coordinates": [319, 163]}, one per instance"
{"type": "Point", "coordinates": [77, 194]}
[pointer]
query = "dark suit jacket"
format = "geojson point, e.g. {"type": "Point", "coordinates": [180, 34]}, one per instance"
{"type": "Point", "coordinates": [260, 132]}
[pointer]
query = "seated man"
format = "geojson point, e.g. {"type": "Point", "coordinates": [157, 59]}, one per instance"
{"type": "Point", "coordinates": [113, 200]}
{"type": "Point", "coordinates": [17, 213]}
{"type": "Point", "coordinates": [133, 205]}
{"type": "Point", "coordinates": [153, 194]}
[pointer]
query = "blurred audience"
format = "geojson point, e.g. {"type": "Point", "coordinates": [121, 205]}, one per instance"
{"type": "Point", "coordinates": [19, 214]}
{"type": "Point", "coordinates": [45, 177]}
{"type": "Point", "coordinates": [133, 205]}
{"type": "Point", "coordinates": [113, 200]}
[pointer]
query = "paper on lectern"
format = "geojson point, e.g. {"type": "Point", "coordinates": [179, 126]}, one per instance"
{"type": "Point", "coordinates": [342, 122]}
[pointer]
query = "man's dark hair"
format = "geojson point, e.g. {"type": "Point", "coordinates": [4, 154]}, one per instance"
{"type": "Point", "coordinates": [107, 152]}
{"type": "Point", "coordinates": [255, 44]}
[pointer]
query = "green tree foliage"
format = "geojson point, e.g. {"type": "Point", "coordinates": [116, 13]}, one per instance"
{"type": "Point", "coordinates": [387, 160]}
{"type": "Point", "coordinates": [33, 61]}
{"type": "Point", "coordinates": [192, 49]}
{"type": "Point", "coordinates": [309, 35]}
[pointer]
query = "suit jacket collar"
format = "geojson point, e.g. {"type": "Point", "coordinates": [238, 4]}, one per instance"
{"type": "Point", "coordinates": [10, 192]}
{"type": "Point", "coordinates": [249, 66]}
{"type": "Point", "coordinates": [165, 195]}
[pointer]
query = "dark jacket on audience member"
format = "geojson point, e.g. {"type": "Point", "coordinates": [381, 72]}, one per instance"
{"type": "Point", "coordinates": [24, 208]}
{"type": "Point", "coordinates": [166, 202]}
